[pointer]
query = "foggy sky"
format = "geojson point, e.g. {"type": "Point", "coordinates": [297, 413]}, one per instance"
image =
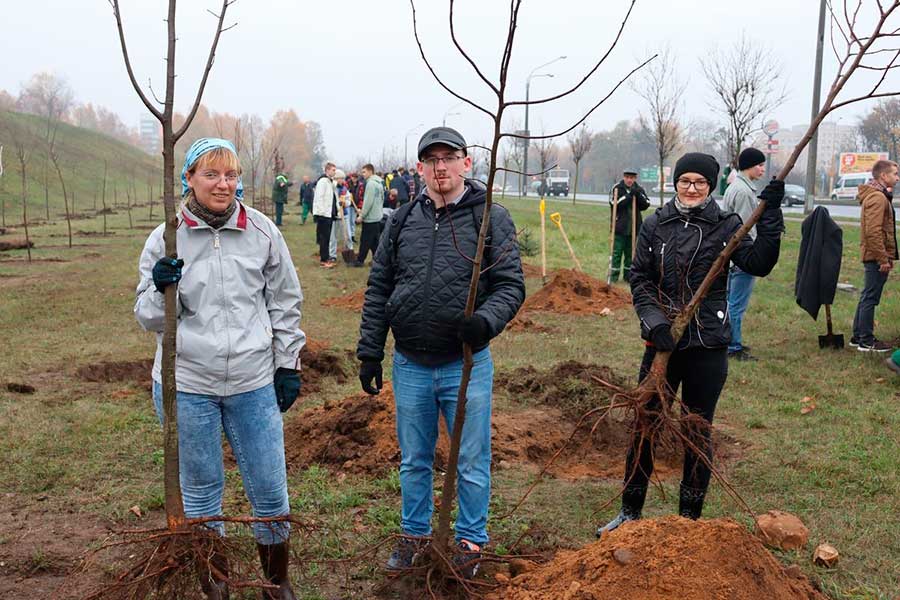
{"type": "Point", "coordinates": [353, 66]}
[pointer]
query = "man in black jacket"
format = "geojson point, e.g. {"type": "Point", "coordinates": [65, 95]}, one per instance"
{"type": "Point", "coordinates": [626, 192]}
{"type": "Point", "coordinates": [418, 288]}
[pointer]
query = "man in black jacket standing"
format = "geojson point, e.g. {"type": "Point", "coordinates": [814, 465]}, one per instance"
{"type": "Point", "coordinates": [626, 192]}
{"type": "Point", "coordinates": [417, 288]}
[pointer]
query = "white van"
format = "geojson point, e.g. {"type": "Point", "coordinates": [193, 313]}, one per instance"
{"type": "Point", "coordinates": [848, 185]}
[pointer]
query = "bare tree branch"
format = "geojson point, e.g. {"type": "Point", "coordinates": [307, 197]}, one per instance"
{"type": "Point", "coordinates": [465, 55]}
{"type": "Point", "coordinates": [137, 88]}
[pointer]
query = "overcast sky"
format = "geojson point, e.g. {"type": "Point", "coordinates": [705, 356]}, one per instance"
{"type": "Point", "coordinates": [353, 66]}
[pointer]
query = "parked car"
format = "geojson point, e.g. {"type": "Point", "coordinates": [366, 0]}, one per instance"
{"type": "Point", "coordinates": [668, 189]}
{"type": "Point", "coordinates": [794, 194]}
{"type": "Point", "coordinates": [847, 186]}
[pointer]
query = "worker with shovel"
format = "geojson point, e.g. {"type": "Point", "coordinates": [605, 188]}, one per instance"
{"type": "Point", "coordinates": [676, 247]}
{"type": "Point", "coordinates": [627, 200]}
{"type": "Point", "coordinates": [418, 288]}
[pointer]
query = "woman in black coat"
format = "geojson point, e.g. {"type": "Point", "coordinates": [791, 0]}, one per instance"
{"type": "Point", "coordinates": [675, 250]}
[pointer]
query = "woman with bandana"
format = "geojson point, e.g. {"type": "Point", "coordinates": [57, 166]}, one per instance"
{"type": "Point", "coordinates": [238, 347]}
{"type": "Point", "coordinates": [676, 248]}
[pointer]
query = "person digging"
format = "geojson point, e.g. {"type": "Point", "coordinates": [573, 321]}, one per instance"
{"type": "Point", "coordinates": [417, 288]}
{"type": "Point", "coordinates": [627, 193]}
{"type": "Point", "coordinates": [675, 249]}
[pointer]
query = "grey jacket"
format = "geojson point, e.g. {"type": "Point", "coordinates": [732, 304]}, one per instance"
{"type": "Point", "coordinates": [238, 307]}
{"type": "Point", "coordinates": [373, 200]}
{"type": "Point", "coordinates": [740, 198]}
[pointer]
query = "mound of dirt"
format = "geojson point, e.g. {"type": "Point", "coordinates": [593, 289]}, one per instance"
{"type": "Point", "coordinates": [318, 362]}
{"type": "Point", "coordinates": [525, 323]}
{"type": "Point", "coordinates": [352, 301]}
{"type": "Point", "coordinates": [16, 245]}
{"type": "Point", "coordinates": [665, 558]}
{"type": "Point", "coordinates": [134, 371]}
{"type": "Point", "coordinates": [357, 434]}
{"type": "Point", "coordinates": [572, 292]}
{"type": "Point", "coordinates": [20, 388]}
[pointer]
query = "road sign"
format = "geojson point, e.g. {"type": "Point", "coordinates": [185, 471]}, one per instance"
{"type": "Point", "coordinates": [772, 147]}
{"type": "Point", "coordinates": [771, 127]}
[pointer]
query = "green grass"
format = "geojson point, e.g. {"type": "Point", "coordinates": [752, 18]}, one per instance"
{"type": "Point", "coordinates": [78, 445]}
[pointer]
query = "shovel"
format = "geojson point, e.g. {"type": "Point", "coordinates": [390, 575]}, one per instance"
{"type": "Point", "coordinates": [830, 339]}
{"type": "Point", "coordinates": [557, 220]}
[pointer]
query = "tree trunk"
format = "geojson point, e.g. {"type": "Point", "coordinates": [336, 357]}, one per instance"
{"type": "Point", "coordinates": [575, 189]}
{"type": "Point", "coordinates": [661, 176]}
{"type": "Point", "coordinates": [62, 184]}
{"type": "Point", "coordinates": [46, 190]}
{"type": "Point", "coordinates": [25, 210]}
{"type": "Point", "coordinates": [105, 168]}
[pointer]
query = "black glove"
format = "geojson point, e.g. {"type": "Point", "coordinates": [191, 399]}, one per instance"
{"type": "Point", "coordinates": [369, 370]}
{"type": "Point", "coordinates": [773, 194]}
{"type": "Point", "coordinates": [166, 271]}
{"type": "Point", "coordinates": [473, 331]}
{"type": "Point", "coordinates": [661, 336]}
{"type": "Point", "coordinates": [287, 387]}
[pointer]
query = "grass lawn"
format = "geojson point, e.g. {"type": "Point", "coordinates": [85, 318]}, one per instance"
{"type": "Point", "coordinates": [93, 449]}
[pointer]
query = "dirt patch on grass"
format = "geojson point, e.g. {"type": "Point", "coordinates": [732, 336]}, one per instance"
{"type": "Point", "coordinates": [41, 551]}
{"type": "Point", "coordinates": [527, 324]}
{"type": "Point", "coordinates": [358, 435]}
{"type": "Point", "coordinates": [318, 362]}
{"type": "Point", "coordinates": [575, 293]}
{"type": "Point", "coordinates": [16, 245]}
{"type": "Point", "coordinates": [352, 301]}
{"type": "Point", "coordinates": [128, 371]}
{"type": "Point", "coordinates": [19, 388]}
{"type": "Point", "coordinates": [655, 559]}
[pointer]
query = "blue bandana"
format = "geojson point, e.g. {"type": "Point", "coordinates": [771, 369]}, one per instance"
{"type": "Point", "coordinates": [198, 149]}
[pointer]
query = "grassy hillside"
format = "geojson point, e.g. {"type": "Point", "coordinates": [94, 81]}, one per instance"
{"type": "Point", "coordinates": [82, 153]}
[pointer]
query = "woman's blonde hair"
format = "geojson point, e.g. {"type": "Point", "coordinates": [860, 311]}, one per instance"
{"type": "Point", "coordinates": [221, 158]}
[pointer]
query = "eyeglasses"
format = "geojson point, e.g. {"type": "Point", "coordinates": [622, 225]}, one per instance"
{"type": "Point", "coordinates": [215, 176]}
{"type": "Point", "coordinates": [701, 185]}
{"type": "Point", "coordinates": [434, 161]}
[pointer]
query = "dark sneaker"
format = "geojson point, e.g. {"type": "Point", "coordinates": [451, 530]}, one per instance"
{"type": "Point", "coordinates": [875, 346]}
{"type": "Point", "coordinates": [854, 342]}
{"type": "Point", "coordinates": [623, 517]}
{"type": "Point", "coordinates": [405, 554]}
{"type": "Point", "coordinates": [741, 355]}
{"type": "Point", "coordinates": [892, 365]}
{"type": "Point", "coordinates": [467, 559]}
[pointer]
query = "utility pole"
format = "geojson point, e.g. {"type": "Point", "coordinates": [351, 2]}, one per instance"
{"type": "Point", "coordinates": [524, 189]}
{"type": "Point", "coordinates": [817, 89]}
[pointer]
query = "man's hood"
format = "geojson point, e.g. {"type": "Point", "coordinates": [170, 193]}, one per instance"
{"type": "Point", "coordinates": [376, 179]}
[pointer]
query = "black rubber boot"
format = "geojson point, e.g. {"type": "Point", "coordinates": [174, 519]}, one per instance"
{"type": "Point", "coordinates": [274, 559]}
{"type": "Point", "coordinates": [690, 502]}
{"type": "Point", "coordinates": [632, 504]}
{"type": "Point", "coordinates": [210, 583]}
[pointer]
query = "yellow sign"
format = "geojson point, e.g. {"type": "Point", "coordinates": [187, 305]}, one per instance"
{"type": "Point", "coordinates": [543, 207]}
{"type": "Point", "coordinates": [859, 162]}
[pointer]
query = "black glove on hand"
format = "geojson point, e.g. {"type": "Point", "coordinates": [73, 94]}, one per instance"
{"type": "Point", "coordinates": [661, 336]}
{"type": "Point", "coordinates": [474, 331]}
{"type": "Point", "coordinates": [287, 387]}
{"type": "Point", "coordinates": [370, 370]}
{"type": "Point", "coordinates": [166, 271]}
{"type": "Point", "coordinates": [773, 194]}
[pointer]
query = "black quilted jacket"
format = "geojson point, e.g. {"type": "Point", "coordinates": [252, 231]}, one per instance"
{"type": "Point", "coordinates": [674, 253]}
{"type": "Point", "coordinates": [419, 288]}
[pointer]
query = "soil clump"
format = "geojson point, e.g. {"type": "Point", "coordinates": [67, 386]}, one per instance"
{"type": "Point", "coordinates": [130, 371]}
{"type": "Point", "coordinates": [319, 362]}
{"type": "Point", "coordinates": [672, 557]}
{"type": "Point", "coordinates": [19, 388]}
{"type": "Point", "coordinates": [16, 245]}
{"type": "Point", "coordinates": [572, 292]}
{"type": "Point", "coordinates": [525, 323]}
{"type": "Point", "coordinates": [352, 301]}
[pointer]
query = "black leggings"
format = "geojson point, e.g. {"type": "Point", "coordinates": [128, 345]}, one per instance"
{"type": "Point", "coordinates": [368, 240]}
{"type": "Point", "coordinates": [701, 373]}
{"type": "Point", "coordinates": [323, 237]}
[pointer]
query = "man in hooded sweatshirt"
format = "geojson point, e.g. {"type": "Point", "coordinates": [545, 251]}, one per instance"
{"type": "Point", "coordinates": [370, 214]}
{"type": "Point", "coordinates": [878, 247]}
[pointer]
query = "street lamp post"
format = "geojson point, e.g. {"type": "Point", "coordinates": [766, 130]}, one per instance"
{"type": "Point", "coordinates": [406, 144]}
{"type": "Point", "coordinates": [524, 186]}
{"type": "Point", "coordinates": [450, 113]}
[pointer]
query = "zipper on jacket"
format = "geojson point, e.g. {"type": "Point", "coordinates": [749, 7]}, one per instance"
{"type": "Point", "coordinates": [687, 280]}
{"type": "Point", "coordinates": [224, 313]}
{"type": "Point", "coordinates": [427, 298]}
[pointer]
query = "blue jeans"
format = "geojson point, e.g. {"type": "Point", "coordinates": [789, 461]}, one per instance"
{"type": "Point", "coordinates": [420, 393]}
{"type": "Point", "coordinates": [864, 319]}
{"type": "Point", "coordinates": [740, 286]}
{"type": "Point", "coordinates": [253, 426]}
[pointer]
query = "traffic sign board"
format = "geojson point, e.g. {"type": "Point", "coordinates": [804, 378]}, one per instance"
{"type": "Point", "coordinates": [771, 127]}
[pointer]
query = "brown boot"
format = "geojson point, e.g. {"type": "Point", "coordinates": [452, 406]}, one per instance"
{"type": "Point", "coordinates": [274, 559]}
{"type": "Point", "coordinates": [210, 582]}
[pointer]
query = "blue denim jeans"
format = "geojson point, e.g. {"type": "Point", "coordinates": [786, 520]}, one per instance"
{"type": "Point", "coordinates": [253, 426]}
{"type": "Point", "coordinates": [421, 393]}
{"type": "Point", "coordinates": [864, 319]}
{"type": "Point", "coordinates": [740, 286]}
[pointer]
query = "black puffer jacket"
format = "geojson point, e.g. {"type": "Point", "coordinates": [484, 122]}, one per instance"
{"type": "Point", "coordinates": [675, 252]}
{"type": "Point", "coordinates": [419, 288]}
{"type": "Point", "coordinates": [623, 206]}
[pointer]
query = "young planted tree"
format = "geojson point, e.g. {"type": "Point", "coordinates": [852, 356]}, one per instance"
{"type": "Point", "coordinates": [22, 155]}
{"type": "Point", "coordinates": [439, 549]}
{"type": "Point", "coordinates": [54, 158]}
{"type": "Point", "coordinates": [105, 174]}
{"type": "Point", "coordinates": [2, 195]}
{"type": "Point", "coordinates": [580, 142]}
{"type": "Point", "coordinates": [747, 83]}
{"type": "Point", "coordinates": [662, 90]}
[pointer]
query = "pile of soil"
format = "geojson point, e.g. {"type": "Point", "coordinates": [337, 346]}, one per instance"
{"type": "Point", "coordinates": [572, 292]}
{"type": "Point", "coordinates": [352, 301]}
{"type": "Point", "coordinates": [357, 435]}
{"type": "Point", "coordinates": [665, 558]}
{"type": "Point", "coordinates": [134, 371]}
{"type": "Point", "coordinates": [525, 323]}
{"type": "Point", "coordinates": [16, 245]}
{"type": "Point", "coordinates": [318, 362]}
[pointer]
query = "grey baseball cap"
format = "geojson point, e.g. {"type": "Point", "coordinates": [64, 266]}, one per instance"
{"type": "Point", "coordinates": [629, 172]}
{"type": "Point", "coordinates": [442, 135]}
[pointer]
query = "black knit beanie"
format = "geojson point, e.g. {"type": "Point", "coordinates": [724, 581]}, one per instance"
{"type": "Point", "coordinates": [697, 162]}
{"type": "Point", "coordinates": [750, 157]}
